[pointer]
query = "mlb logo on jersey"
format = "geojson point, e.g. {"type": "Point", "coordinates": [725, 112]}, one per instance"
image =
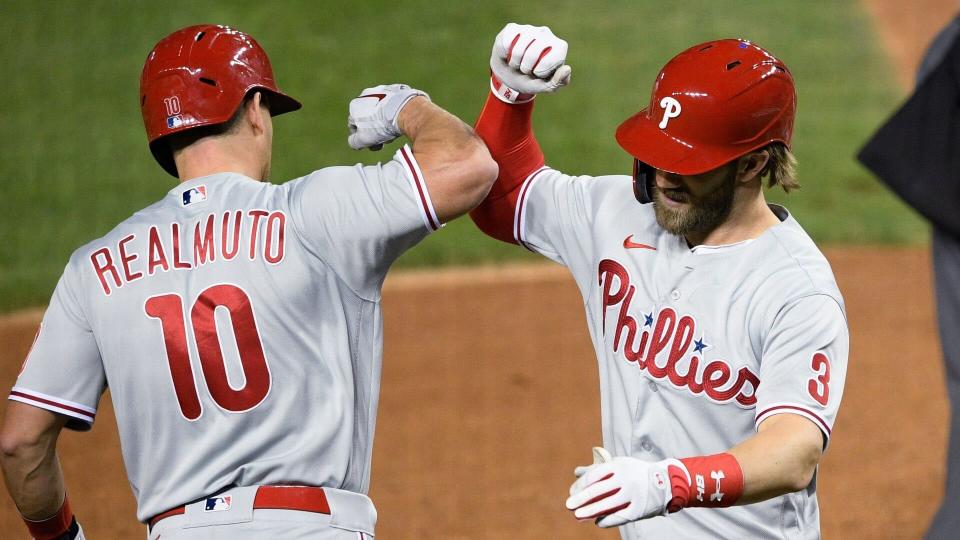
{"type": "Point", "coordinates": [218, 504]}
{"type": "Point", "coordinates": [194, 195]}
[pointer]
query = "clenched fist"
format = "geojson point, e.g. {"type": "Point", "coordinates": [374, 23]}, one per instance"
{"type": "Point", "coordinates": [527, 60]}
{"type": "Point", "coordinates": [373, 115]}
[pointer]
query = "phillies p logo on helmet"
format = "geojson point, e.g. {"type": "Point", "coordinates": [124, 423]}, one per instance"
{"type": "Point", "coordinates": [671, 109]}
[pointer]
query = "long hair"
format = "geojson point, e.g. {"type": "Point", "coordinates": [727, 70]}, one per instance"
{"type": "Point", "coordinates": [781, 168]}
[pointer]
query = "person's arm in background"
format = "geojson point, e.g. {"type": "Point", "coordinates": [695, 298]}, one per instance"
{"type": "Point", "coordinates": [456, 166]}
{"type": "Point", "coordinates": [32, 472]}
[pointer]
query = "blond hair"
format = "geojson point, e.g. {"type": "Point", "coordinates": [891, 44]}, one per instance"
{"type": "Point", "coordinates": [781, 167]}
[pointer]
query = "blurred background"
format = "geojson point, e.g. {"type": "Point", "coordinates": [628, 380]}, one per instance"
{"type": "Point", "coordinates": [75, 160]}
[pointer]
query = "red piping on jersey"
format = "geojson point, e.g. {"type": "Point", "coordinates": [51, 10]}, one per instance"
{"type": "Point", "coordinates": [81, 412]}
{"type": "Point", "coordinates": [521, 205]}
{"type": "Point", "coordinates": [419, 183]}
{"type": "Point", "coordinates": [507, 131]}
{"type": "Point", "coordinates": [801, 409]}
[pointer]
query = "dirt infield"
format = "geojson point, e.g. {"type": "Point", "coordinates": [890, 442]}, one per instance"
{"type": "Point", "coordinates": [490, 396]}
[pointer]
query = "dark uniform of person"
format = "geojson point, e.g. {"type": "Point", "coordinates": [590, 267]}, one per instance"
{"type": "Point", "coordinates": [917, 154]}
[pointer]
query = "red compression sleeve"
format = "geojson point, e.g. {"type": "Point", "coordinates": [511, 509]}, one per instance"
{"type": "Point", "coordinates": [507, 131]}
{"type": "Point", "coordinates": [715, 482]}
{"type": "Point", "coordinates": [54, 526]}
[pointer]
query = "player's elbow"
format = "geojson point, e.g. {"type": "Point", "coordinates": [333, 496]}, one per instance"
{"type": "Point", "coordinates": [803, 469]}
{"type": "Point", "coordinates": [16, 443]}
{"type": "Point", "coordinates": [483, 173]}
{"type": "Point", "coordinates": [28, 433]}
{"type": "Point", "coordinates": [465, 182]}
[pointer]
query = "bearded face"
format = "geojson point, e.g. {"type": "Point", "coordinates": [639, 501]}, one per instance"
{"type": "Point", "coordinates": [694, 204]}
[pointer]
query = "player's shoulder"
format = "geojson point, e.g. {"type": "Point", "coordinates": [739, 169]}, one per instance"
{"type": "Point", "coordinates": [598, 184]}
{"type": "Point", "coordinates": [794, 262]}
{"type": "Point", "coordinates": [602, 191]}
{"type": "Point", "coordinates": [188, 201]}
{"type": "Point", "coordinates": [323, 177]}
{"type": "Point", "coordinates": [117, 232]}
{"type": "Point", "coordinates": [402, 164]}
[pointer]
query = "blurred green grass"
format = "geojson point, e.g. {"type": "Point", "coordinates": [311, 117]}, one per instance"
{"type": "Point", "coordinates": [75, 160]}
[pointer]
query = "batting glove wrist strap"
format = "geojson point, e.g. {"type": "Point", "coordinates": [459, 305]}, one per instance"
{"type": "Point", "coordinates": [526, 61]}
{"type": "Point", "coordinates": [373, 115]}
{"type": "Point", "coordinates": [60, 526]}
{"type": "Point", "coordinates": [506, 94]}
{"type": "Point", "coordinates": [714, 481]}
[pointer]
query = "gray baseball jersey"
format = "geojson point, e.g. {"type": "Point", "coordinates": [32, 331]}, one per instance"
{"type": "Point", "coordinates": [238, 326]}
{"type": "Point", "coordinates": [695, 347]}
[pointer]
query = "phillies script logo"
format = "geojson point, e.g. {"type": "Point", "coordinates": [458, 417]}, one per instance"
{"type": "Point", "coordinates": [660, 346]}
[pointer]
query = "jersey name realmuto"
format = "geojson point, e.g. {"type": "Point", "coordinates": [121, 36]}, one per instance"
{"type": "Point", "coordinates": [696, 347]}
{"type": "Point", "coordinates": [238, 326]}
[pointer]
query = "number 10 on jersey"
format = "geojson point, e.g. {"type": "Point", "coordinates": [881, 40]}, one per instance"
{"type": "Point", "coordinates": [169, 308]}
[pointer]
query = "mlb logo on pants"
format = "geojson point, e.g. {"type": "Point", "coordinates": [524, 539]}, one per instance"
{"type": "Point", "coordinates": [217, 504]}
{"type": "Point", "coordinates": [194, 195]}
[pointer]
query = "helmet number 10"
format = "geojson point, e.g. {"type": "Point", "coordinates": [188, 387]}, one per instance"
{"type": "Point", "coordinates": [170, 310]}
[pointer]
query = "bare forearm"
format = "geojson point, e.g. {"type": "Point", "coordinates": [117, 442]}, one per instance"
{"type": "Point", "coordinates": [780, 459]}
{"type": "Point", "coordinates": [432, 129]}
{"type": "Point", "coordinates": [35, 484]}
{"type": "Point", "coordinates": [31, 469]}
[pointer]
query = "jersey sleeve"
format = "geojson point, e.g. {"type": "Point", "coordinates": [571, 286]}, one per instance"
{"type": "Point", "coordinates": [359, 219]}
{"type": "Point", "coordinates": [554, 214]}
{"type": "Point", "coordinates": [804, 362]}
{"type": "Point", "coordinates": [63, 372]}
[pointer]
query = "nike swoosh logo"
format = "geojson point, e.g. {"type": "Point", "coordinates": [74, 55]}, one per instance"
{"type": "Point", "coordinates": [630, 244]}
{"type": "Point", "coordinates": [378, 96]}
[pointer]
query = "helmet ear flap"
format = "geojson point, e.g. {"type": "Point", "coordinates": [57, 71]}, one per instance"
{"type": "Point", "coordinates": [642, 182]}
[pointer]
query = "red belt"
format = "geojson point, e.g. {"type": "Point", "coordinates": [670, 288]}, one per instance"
{"type": "Point", "coordinates": [303, 498]}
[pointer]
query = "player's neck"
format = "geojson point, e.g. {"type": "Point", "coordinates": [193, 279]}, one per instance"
{"type": "Point", "coordinates": [211, 156]}
{"type": "Point", "coordinates": [748, 219]}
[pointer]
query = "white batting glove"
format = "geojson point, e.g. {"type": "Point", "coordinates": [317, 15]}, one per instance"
{"type": "Point", "coordinates": [526, 61]}
{"type": "Point", "coordinates": [373, 115]}
{"type": "Point", "coordinates": [621, 490]}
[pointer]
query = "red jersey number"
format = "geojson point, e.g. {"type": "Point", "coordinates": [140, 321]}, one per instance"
{"type": "Point", "coordinates": [169, 309]}
{"type": "Point", "coordinates": [819, 386]}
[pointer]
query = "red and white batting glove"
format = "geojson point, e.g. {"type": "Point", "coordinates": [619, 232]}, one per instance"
{"type": "Point", "coordinates": [614, 491]}
{"type": "Point", "coordinates": [373, 115]}
{"type": "Point", "coordinates": [526, 61]}
{"type": "Point", "coordinates": [625, 489]}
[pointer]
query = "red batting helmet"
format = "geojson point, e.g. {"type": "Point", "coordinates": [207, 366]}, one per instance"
{"type": "Point", "coordinates": [199, 76]}
{"type": "Point", "coordinates": [712, 103]}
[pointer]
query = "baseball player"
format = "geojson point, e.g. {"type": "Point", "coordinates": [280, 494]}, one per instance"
{"type": "Point", "coordinates": [237, 322]}
{"type": "Point", "coordinates": [718, 327]}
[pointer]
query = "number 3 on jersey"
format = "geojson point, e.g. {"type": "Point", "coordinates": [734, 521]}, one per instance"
{"type": "Point", "coordinates": [169, 309]}
{"type": "Point", "coordinates": [819, 386]}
